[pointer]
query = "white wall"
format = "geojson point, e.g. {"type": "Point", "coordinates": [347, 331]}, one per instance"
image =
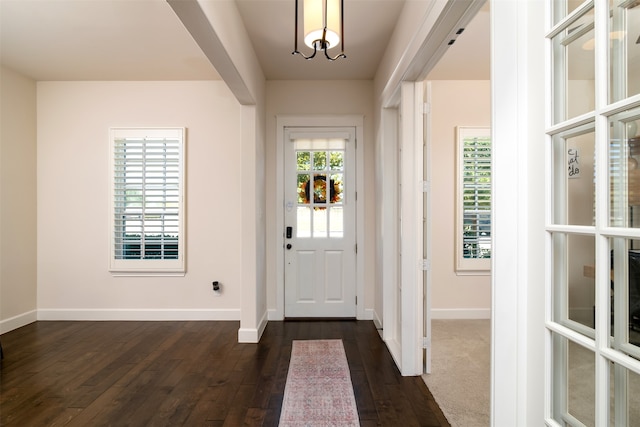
{"type": "Point", "coordinates": [321, 98]}
{"type": "Point", "coordinates": [454, 103]}
{"type": "Point", "coordinates": [18, 196]}
{"type": "Point", "coordinates": [73, 200]}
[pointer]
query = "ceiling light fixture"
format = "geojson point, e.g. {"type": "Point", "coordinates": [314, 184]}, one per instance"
{"type": "Point", "coordinates": [323, 27]}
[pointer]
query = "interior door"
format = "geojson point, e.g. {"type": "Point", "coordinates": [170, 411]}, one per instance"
{"type": "Point", "coordinates": [320, 222]}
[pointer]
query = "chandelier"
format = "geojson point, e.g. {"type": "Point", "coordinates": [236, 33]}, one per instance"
{"type": "Point", "coordinates": [323, 27]}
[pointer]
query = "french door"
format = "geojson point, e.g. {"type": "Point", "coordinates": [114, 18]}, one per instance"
{"type": "Point", "coordinates": [319, 218]}
{"type": "Point", "coordinates": [593, 215]}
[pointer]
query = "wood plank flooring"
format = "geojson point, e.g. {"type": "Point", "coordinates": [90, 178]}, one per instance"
{"type": "Point", "coordinates": [188, 374]}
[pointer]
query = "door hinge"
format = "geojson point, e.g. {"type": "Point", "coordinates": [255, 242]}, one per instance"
{"type": "Point", "coordinates": [426, 108]}
{"type": "Point", "coordinates": [356, 299]}
{"type": "Point", "coordinates": [356, 248]}
{"type": "Point", "coordinates": [426, 342]}
{"type": "Point", "coordinates": [425, 265]}
{"type": "Point", "coordinates": [425, 186]}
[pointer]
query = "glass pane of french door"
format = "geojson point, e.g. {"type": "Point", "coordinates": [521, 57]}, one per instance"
{"type": "Point", "coordinates": [574, 168]}
{"type": "Point", "coordinates": [624, 171]}
{"type": "Point", "coordinates": [574, 68]}
{"type": "Point", "coordinates": [624, 49]}
{"type": "Point", "coordinates": [574, 372]}
{"type": "Point", "coordinates": [594, 212]}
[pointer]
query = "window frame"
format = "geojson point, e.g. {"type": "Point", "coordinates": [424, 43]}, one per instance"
{"type": "Point", "coordinates": [467, 266]}
{"type": "Point", "coordinates": [148, 267]}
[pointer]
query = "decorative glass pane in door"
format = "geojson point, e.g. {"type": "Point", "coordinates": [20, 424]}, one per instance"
{"type": "Point", "coordinates": [320, 186]}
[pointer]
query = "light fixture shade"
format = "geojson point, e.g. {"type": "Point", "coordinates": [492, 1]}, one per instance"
{"type": "Point", "coordinates": [314, 25]}
{"type": "Point", "coordinates": [323, 27]}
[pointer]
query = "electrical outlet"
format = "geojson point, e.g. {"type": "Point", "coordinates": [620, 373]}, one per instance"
{"type": "Point", "coordinates": [216, 288]}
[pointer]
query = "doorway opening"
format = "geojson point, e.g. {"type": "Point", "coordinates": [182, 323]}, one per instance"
{"type": "Point", "coordinates": [460, 305]}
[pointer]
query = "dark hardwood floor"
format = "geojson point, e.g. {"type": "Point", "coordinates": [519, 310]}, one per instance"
{"type": "Point", "coordinates": [188, 373]}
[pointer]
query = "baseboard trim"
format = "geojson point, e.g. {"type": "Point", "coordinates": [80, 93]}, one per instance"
{"type": "Point", "coordinates": [396, 352]}
{"type": "Point", "coordinates": [460, 313]}
{"type": "Point", "coordinates": [15, 322]}
{"type": "Point", "coordinates": [253, 335]}
{"type": "Point", "coordinates": [138, 314]}
{"type": "Point", "coordinates": [377, 321]}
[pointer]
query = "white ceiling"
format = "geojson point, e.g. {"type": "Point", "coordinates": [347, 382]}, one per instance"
{"type": "Point", "coordinates": [144, 40]}
{"type": "Point", "coordinates": [98, 40]}
{"type": "Point", "coordinates": [368, 27]}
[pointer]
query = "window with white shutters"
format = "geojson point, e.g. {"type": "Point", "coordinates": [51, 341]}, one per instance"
{"type": "Point", "coordinates": [473, 218]}
{"type": "Point", "coordinates": [147, 201]}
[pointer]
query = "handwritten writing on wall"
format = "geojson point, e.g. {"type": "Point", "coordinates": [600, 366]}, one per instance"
{"type": "Point", "coordinates": [573, 168]}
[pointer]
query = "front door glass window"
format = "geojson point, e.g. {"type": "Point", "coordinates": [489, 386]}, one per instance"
{"type": "Point", "coordinates": [320, 184]}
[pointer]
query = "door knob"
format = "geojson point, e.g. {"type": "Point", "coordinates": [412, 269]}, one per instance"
{"type": "Point", "coordinates": [288, 245]}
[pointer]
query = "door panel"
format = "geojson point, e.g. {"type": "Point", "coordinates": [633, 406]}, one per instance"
{"type": "Point", "coordinates": [320, 273]}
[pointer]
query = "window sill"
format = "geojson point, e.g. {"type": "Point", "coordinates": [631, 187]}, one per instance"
{"type": "Point", "coordinates": [148, 273]}
{"type": "Point", "coordinates": [473, 272]}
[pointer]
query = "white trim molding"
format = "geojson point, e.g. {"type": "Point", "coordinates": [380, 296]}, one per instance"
{"type": "Point", "coordinates": [377, 321]}
{"type": "Point", "coordinates": [253, 335]}
{"type": "Point", "coordinates": [15, 322]}
{"type": "Point", "coordinates": [517, 291]}
{"type": "Point", "coordinates": [411, 238]}
{"type": "Point", "coordinates": [138, 314]}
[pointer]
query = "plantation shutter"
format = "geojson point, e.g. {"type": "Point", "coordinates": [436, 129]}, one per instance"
{"type": "Point", "coordinates": [473, 200]}
{"type": "Point", "coordinates": [147, 168]}
{"type": "Point", "coordinates": [476, 195]}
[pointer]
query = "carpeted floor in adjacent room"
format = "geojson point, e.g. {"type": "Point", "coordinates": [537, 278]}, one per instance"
{"type": "Point", "coordinates": [460, 378]}
{"type": "Point", "coordinates": [461, 367]}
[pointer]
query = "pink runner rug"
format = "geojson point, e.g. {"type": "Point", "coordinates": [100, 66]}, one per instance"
{"type": "Point", "coordinates": [318, 391]}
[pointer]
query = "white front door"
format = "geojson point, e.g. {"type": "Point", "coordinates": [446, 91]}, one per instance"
{"type": "Point", "coordinates": [320, 226]}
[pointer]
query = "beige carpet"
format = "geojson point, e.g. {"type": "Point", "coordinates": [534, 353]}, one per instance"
{"type": "Point", "coordinates": [460, 370]}
{"type": "Point", "coordinates": [460, 378]}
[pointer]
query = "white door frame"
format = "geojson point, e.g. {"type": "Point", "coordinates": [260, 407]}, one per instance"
{"type": "Point", "coordinates": [411, 245]}
{"type": "Point", "coordinates": [356, 121]}
{"type": "Point", "coordinates": [388, 268]}
{"type": "Point", "coordinates": [426, 228]}
{"type": "Point", "coordinates": [518, 261]}
{"type": "Point", "coordinates": [402, 167]}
